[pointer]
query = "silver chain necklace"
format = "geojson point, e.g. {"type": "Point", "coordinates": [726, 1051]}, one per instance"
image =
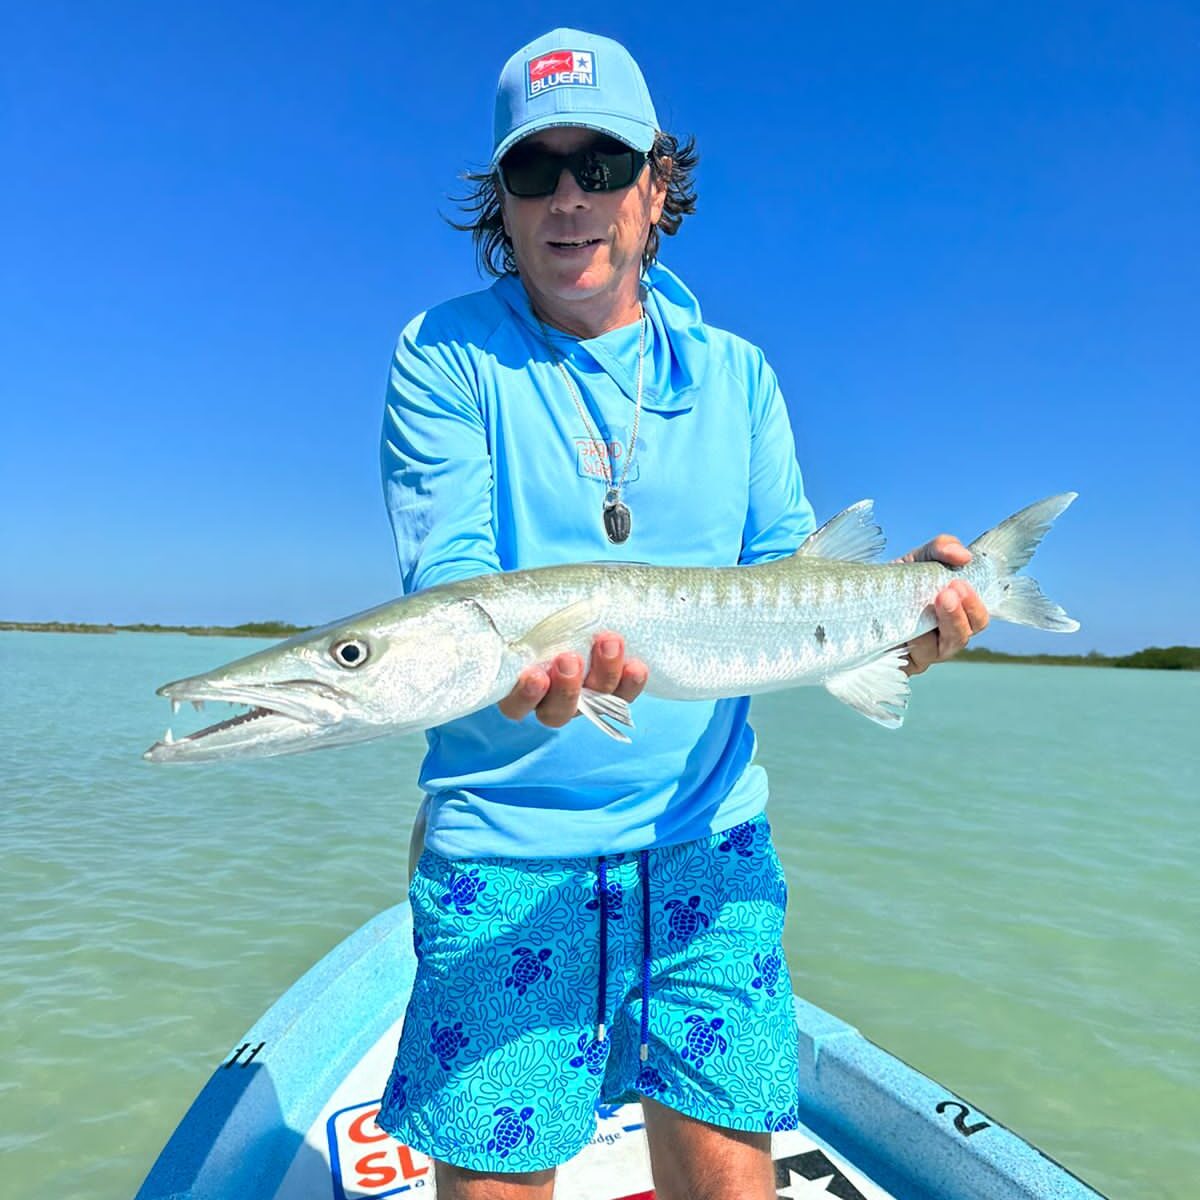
{"type": "Point", "coordinates": [618, 520]}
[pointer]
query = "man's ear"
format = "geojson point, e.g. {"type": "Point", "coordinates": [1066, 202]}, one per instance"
{"type": "Point", "coordinates": [658, 190]}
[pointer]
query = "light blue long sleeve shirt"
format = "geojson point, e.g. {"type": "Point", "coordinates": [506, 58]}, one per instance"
{"type": "Point", "coordinates": [489, 466]}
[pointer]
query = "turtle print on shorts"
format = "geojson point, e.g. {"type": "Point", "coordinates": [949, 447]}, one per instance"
{"type": "Point", "coordinates": [740, 839]}
{"type": "Point", "coordinates": [511, 1130]}
{"type": "Point", "coordinates": [446, 1042]}
{"type": "Point", "coordinates": [615, 897]}
{"type": "Point", "coordinates": [702, 1039]}
{"type": "Point", "coordinates": [767, 967]}
{"type": "Point", "coordinates": [499, 1067]}
{"type": "Point", "coordinates": [396, 1096]}
{"type": "Point", "coordinates": [464, 890]}
{"type": "Point", "coordinates": [593, 1054]}
{"type": "Point", "coordinates": [649, 1082]}
{"type": "Point", "coordinates": [528, 969]}
{"type": "Point", "coordinates": [784, 1120]}
{"type": "Point", "coordinates": [686, 918]}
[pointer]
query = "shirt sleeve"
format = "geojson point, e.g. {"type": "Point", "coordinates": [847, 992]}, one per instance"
{"type": "Point", "coordinates": [437, 469]}
{"type": "Point", "coordinates": [778, 516]}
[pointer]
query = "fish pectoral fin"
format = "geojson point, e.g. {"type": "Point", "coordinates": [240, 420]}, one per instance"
{"type": "Point", "coordinates": [605, 710]}
{"type": "Point", "coordinates": [878, 689]}
{"type": "Point", "coordinates": [563, 630]}
{"type": "Point", "coordinates": [851, 536]}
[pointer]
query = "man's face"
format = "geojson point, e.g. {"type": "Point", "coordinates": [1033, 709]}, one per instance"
{"type": "Point", "coordinates": [577, 246]}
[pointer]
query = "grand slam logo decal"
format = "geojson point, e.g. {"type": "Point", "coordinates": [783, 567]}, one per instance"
{"type": "Point", "coordinates": [557, 68]}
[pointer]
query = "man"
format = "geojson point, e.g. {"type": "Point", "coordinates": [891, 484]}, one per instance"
{"type": "Point", "coordinates": [591, 920]}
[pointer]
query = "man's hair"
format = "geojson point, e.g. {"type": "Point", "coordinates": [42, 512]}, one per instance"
{"type": "Point", "coordinates": [669, 159]}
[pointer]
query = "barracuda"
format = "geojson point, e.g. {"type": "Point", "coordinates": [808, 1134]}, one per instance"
{"type": "Point", "coordinates": [827, 615]}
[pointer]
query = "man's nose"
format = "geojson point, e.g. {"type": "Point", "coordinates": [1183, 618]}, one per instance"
{"type": "Point", "coordinates": [568, 194]}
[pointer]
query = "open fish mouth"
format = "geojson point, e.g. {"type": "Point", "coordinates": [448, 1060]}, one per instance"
{"type": "Point", "coordinates": [281, 718]}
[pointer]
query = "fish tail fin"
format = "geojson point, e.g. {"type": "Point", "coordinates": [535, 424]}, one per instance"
{"type": "Point", "coordinates": [1024, 603]}
{"type": "Point", "coordinates": [1010, 545]}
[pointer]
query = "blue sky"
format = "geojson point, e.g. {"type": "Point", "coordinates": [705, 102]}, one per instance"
{"type": "Point", "coordinates": [965, 234]}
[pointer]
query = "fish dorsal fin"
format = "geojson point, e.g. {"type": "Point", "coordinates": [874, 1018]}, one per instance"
{"type": "Point", "coordinates": [851, 536]}
{"type": "Point", "coordinates": [878, 689]}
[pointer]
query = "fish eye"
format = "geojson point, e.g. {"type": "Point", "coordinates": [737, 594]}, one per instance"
{"type": "Point", "coordinates": [352, 652]}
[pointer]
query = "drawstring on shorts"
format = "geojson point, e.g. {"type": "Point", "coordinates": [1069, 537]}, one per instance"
{"type": "Point", "coordinates": [644, 872]}
{"type": "Point", "coordinates": [602, 998]}
{"type": "Point", "coordinates": [601, 1031]}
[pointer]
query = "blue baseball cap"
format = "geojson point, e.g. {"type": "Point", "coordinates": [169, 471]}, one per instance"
{"type": "Point", "coordinates": [568, 77]}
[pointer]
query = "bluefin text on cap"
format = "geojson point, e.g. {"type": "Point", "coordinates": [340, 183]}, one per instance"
{"type": "Point", "coordinates": [558, 68]}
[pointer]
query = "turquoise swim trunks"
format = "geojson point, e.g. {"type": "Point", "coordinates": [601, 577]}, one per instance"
{"type": "Point", "coordinates": [546, 987]}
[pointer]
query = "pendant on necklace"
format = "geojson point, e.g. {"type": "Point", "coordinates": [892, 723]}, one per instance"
{"type": "Point", "coordinates": [618, 520]}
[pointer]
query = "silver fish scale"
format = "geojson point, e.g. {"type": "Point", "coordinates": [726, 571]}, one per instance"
{"type": "Point", "coordinates": [706, 632]}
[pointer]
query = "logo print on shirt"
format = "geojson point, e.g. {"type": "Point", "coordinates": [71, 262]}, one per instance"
{"type": "Point", "coordinates": [592, 458]}
{"type": "Point", "coordinates": [558, 68]}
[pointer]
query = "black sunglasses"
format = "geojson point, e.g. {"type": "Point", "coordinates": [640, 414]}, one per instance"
{"type": "Point", "coordinates": [604, 165]}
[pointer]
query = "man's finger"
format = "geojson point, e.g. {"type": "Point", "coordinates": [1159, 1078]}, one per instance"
{"type": "Point", "coordinates": [921, 652]}
{"type": "Point", "coordinates": [562, 700]}
{"type": "Point", "coordinates": [633, 680]}
{"type": "Point", "coordinates": [953, 626]}
{"type": "Point", "coordinates": [532, 684]}
{"type": "Point", "coordinates": [945, 548]}
{"type": "Point", "coordinates": [973, 606]}
{"type": "Point", "coordinates": [607, 662]}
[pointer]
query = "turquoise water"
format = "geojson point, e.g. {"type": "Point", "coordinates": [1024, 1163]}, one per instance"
{"type": "Point", "coordinates": [1003, 893]}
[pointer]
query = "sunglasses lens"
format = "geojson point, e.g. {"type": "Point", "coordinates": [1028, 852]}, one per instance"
{"type": "Point", "coordinates": [605, 166]}
{"type": "Point", "coordinates": [608, 166]}
{"type": "Point", "coordinates": [528, 171]}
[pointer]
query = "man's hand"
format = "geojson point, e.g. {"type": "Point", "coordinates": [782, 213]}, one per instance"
{"type": "Point", "coordinates": [960, 612]}
{"type": "Point", "coordinates": [553, 692]}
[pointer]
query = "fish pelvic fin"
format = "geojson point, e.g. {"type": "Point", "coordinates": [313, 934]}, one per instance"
{"type": "Point", "coordinates": [1011, 545]}
{"type": "Point", "coordinates": [877, 689]}
{"type": "Point", "coordinates": [606, 712]}
{"type": "Point", "coordinates": [851, 536]}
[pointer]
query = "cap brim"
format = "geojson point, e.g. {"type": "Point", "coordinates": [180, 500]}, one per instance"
{"type": "Point", "coordinates": [637, 134]}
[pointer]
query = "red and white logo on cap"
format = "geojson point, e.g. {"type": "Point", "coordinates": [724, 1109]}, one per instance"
{"type": "Point", "coordinates": [559, 68]}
